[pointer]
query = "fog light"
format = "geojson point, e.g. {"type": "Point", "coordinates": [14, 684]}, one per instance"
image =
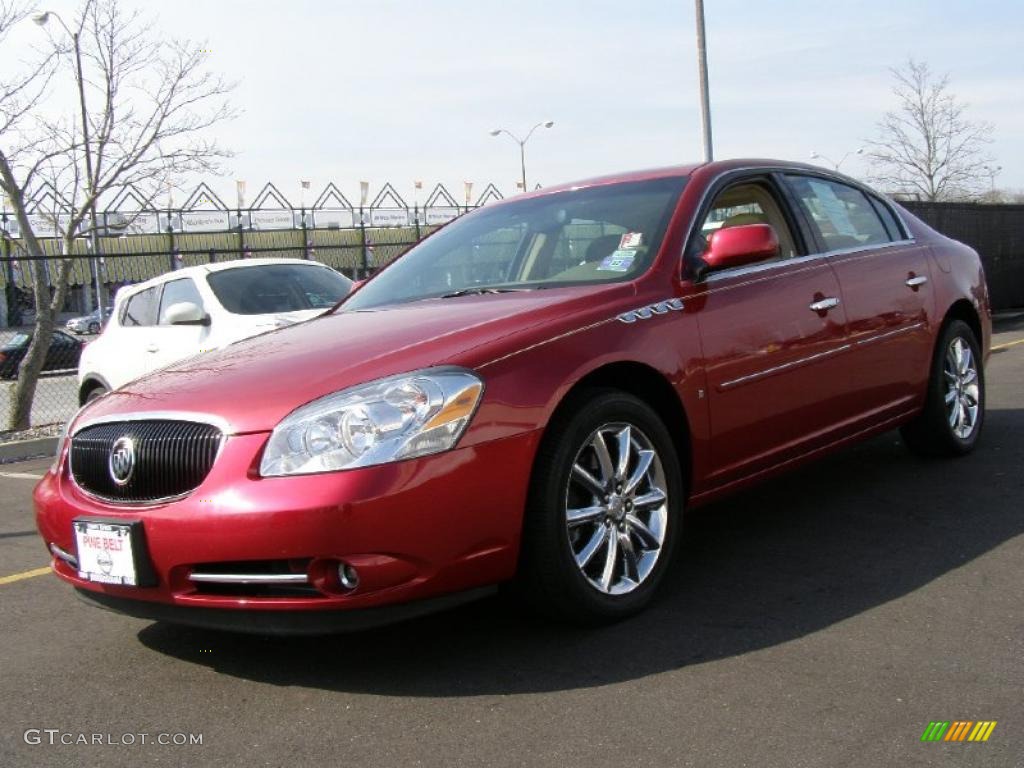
{"type": "Point", "coordinates": [348, 576]}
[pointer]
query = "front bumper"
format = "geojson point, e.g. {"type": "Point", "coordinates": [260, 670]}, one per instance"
{"type": "Point", "coordinates": [414, 530]}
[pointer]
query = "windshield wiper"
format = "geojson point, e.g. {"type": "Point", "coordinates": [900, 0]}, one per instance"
{"type": "Point", "coordinates": [480, 289]}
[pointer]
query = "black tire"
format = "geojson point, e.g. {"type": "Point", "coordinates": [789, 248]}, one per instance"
{"type": "Point", "coordinates": [931, 433]}
{"type": "Point", "coordinates": [97, 391]}
{"type": "Point", "coordinates": [549, 577]}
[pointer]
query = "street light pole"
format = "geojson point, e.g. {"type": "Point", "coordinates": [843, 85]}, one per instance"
{"type": "Point", "coordinates": [830, 161]}
{"type": "Point", "coordinates": [41, 19]}
{"type": "Point", "coordinates": [522, 143]}
{"type": "Point", "coordinates": [705, 99]}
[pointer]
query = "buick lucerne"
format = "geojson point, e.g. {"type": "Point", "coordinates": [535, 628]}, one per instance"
{"type": "Point", "coordinates": [532, 395]}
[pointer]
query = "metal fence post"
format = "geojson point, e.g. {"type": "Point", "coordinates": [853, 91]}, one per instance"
{"type": "Point", "coordinates": [170, 237]}
{"type": "Point", "coordinates": [9, 274]}
{"type": "Point", "coordinates": [305, 237]}
{"type": "Point", "coordinates": [241, 235]}
{"type": "Point", "coordinates": [416, 217]}
{"type": "Point", "coordinates": [362, 240]}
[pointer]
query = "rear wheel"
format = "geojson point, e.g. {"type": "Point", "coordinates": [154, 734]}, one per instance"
{"type": "Point", "coordinates": [604, 509]}
{"type": "Point", "coordinates": [954, 410]}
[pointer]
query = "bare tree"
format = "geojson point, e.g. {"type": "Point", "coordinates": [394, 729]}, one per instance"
{"type": "Point", "coordinates": [144, 106]}
{"type": "Point", "coordinates": [928, 147]}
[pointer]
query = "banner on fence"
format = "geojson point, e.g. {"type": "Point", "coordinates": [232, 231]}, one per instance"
{"type": "Point", "coordinates": [389, 217]}
{"type": "Point", "coordinates": [204, 221]}
{"type": "Point", "coordinates": [272, 219]}
{"type": "Point", "coordinates": [441, 215]}
{"type": "Point", "coordinates": [326, 218]}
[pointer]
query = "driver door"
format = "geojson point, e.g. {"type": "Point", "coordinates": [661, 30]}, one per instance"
{"type": "Point", "coordinates": [774, 337]}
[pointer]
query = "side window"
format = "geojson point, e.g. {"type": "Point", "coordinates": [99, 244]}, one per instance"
{"type": "Point", "coordinates": [177, 291]}
{"type": "Point", "coordinates": [749, 203]}
{"type": "Point", "coordinates": [889, 219]}
{"type": "Point", "coordinates": [140, 309]}
{"type": "Point", "coordinates": [843, 216]}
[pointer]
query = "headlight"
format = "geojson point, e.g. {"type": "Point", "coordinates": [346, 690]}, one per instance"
{"type": "Point", "coordinates": [400, 417]}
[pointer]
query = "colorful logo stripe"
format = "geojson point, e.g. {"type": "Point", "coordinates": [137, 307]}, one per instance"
{"type": "Point", "coordinates": [958, 730]}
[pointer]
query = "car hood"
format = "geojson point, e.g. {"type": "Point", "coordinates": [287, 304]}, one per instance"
{"type": "Point", "coordinates": [254, 383]}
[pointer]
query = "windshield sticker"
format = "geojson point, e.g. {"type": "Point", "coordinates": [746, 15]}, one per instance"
{"type": "Point", "coordinates": [833, 208]}
{"type": "Point", "coordinates": [619, 261]}
{"type": "Point", "coordinates": [631, 240]}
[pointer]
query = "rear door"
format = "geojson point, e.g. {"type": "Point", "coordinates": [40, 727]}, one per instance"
{"type": "Point", "coordinates": [126, 353]}
{"type": "Point", "coordinates": [773, 336]}
{"type": "Point", "coordinates": [885, 281]}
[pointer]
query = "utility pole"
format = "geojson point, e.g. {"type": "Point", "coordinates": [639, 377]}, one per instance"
{"type": "Point", "coordinates": [702, 66]}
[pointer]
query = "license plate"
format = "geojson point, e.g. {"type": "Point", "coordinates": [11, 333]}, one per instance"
{"type": "Point", "coordinates": [105, 552]}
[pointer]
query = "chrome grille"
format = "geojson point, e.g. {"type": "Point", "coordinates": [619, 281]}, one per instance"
{"type": "Point", "coordinates": [171, 459]}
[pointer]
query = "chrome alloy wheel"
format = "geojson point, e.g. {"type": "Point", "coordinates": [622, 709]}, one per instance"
{"type": "Point", "coordinates": [962, 396]}
{"type": "Point", "coordinates": [616, 510]}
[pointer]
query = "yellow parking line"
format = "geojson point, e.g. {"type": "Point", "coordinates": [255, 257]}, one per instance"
{"type": "Point", "coordinates": [1007, 345]}
{"type": "Point", "coordinates": [24, 575]}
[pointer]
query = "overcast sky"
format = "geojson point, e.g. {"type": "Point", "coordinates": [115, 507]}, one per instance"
{"type": "Point", "coordinates": [396, 90]}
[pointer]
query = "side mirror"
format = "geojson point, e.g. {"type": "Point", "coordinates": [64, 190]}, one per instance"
{"type": "Point", "coordinates": [185, 313]}
{"type": "Point", "coordinates": [736, 246]}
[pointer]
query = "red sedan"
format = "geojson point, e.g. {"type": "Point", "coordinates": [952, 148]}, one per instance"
{"type": "Point", "coordinates": [535, 394]}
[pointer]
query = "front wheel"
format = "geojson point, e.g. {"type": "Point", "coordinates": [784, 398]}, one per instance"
{"type": "Point", "coordinates": [94, 328]}
{"type": "Point", "coordinates": [954, 409]}
{"type": "Point", "coordinates": [604, 510]}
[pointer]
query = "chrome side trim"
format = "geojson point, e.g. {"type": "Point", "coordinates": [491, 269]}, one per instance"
{"type": "Point", "coordinates": [194, 416]}
{"type": "Point", "coordinates": [645, 313]}
{"type": "Point", "coordinates": [888, 334]}
{"type": "Point", "coordinates": [770, 265]}
{"type": "Point", "coordinates": [249, 578]}
{"type": "Point", "coordinates": [67, 557]}
{"type": "Point", "coordinates": [784, 367]}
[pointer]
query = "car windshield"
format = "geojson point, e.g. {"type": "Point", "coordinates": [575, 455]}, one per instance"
{"type": "Point", "coordinates": [268, 288]}
{"type": "Point", "coordinates": [597, 235]}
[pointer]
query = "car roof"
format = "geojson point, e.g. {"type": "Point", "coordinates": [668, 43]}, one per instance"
{"type": "Point", "coordinates": [687, 169]}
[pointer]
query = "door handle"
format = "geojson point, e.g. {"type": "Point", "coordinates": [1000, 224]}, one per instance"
{"type": "Point", "coordinates": [824, 305]}
{"type": "Point", "coordinates": [916, 281]}
{"type": "Point", "coordinates": [152, 348]}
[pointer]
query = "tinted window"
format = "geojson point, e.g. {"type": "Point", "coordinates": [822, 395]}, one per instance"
{"type": "Point", "coordinates": [141, 308]}
{"type": "Point", "coordinates": [600, 234]}
{"type": "Point", "coordinates": [842, 215]}
{"type": "Point", "coordinates": [177, 291]}
{"type": "Point", "coordinates": [266, 288]}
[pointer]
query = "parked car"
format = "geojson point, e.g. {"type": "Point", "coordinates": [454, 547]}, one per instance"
{"type": "Point", "coordinates": [198, 309]}
{"type": "Point", "coordinates": [91, 323]}
{"type": "Point", "coordinates": [62, 355]}
{"type": "Point", "coordinates": [535, 393]}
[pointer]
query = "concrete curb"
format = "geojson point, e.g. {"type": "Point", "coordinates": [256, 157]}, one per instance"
{"type": "Point", "coordinates": [28, 449]}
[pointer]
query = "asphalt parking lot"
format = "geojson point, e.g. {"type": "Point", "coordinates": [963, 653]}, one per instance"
{"type": "Point", "coordinates": [823, 619]}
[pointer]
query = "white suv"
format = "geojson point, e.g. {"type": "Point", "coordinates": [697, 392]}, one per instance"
{"type": "Point", "coordinates": [197, 309]}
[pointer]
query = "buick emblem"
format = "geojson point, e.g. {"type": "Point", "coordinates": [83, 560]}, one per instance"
{"type": "Point", "coordinates": [122, 460]}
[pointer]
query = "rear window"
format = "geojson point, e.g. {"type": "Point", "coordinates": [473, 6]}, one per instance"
{"type": "Point", "coordinates": [269, 288]}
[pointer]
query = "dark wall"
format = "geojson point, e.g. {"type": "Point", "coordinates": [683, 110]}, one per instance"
{"type": "Point", "coordinates": [996, 232]}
